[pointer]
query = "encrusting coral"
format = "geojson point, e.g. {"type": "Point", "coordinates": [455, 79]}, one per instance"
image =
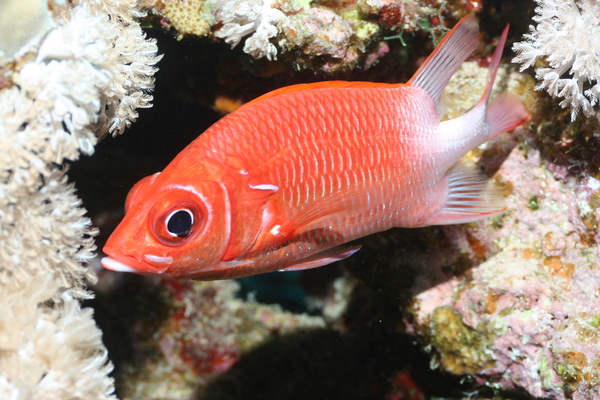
{"type": "Point", "coordinates": [80, 79]}
{"type": "Point", "coordinates": [526, 314]}
{"type": "Point", "coordinates": [566, 38]}
{"type": "Point", "coordinates": [326, 35]}
{"type": "Point", "coordinates": [189, 17]}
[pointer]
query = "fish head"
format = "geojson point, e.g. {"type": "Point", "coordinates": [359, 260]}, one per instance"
{"type": "Point", "coordinates": [170, 229]}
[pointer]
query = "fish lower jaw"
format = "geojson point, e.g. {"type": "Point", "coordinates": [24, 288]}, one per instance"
{"type": "Point", "coordinates": [115, 265]}
{"type": "Point", "coordinates": [151, 264]}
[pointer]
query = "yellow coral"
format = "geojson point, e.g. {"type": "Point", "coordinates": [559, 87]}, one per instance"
{"type": "Point", "coordinates": [189, 17]}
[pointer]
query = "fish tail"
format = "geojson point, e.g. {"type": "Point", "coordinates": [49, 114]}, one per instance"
{"type": "Point", "coordinates": [502, 114]}
{"type": "Point", "coordinates": [470, 195]}
{"type": "Point", "coordinates": [506, 111]}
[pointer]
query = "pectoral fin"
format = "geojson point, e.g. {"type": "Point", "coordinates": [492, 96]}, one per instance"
{"type": "Point", "coordinates": [350, 200]}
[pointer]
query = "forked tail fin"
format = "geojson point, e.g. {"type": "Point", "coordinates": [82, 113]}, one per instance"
{"type": "Point", "coordinates": [506, 111]}
{"type": "Point", "coordinates": [470, 196]}
{"type": "Point", "coordinates": [503, 113]}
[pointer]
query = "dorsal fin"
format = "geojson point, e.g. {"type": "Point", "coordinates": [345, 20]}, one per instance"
{"type": "Point", "coordinates": [453, 50]}
{"type": "Point", "coordinates": [320, 85]}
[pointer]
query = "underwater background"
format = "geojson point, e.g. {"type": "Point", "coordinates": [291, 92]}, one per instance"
{"type": "Point", "coordinates": [505, 308]}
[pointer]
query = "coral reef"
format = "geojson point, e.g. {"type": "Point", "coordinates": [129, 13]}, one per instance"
{"type": "Point", "coordinates": [508, 304]}
{"type": "Point", "coordinates": [571, 68]}
{"type": "Point", "coordinates": [199, 341]}
{"type": "Point", "coordinates": [517, 318]}
{"type": "Point", "coordinates": [78, 77]}
{"type": "Point", "coordinates": [328, 36]}
{"type": "Point", "coordinates": [50, 351]}
{"type": "Point", "coordinates": [255, 19]}
{"type": "Point", "coordinates": [320, 33]}
{"type": "Point", "coordinates": [193, 17]}
{"type": "Point", "coordinates": [206, 332]}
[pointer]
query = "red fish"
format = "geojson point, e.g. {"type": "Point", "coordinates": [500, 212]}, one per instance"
{"type": "Point", "coordinates": [286, 180]}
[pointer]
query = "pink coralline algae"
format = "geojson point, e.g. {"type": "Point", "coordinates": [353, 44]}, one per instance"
{"type": "Point", "coordinates": [320, 36]}
{"type": "Point", "coordinates": [320, 32]}
{"type": "Point", "coordinates": [528, 316]}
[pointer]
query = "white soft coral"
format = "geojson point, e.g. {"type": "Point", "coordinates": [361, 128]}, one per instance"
{"type": "Point", "coordinates": [256, 17]}
{"type": "Point", "coordinates": [93, 68]}
{"type": "Point", "coordinates": [568, 36]}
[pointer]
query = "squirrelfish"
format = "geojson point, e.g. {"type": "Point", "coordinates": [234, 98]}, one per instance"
{"type": "Point", "coordinates": [286, 180]}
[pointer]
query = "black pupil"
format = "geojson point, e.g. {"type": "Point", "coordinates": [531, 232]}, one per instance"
{"type": "Point", "coordinates": [180, 223]}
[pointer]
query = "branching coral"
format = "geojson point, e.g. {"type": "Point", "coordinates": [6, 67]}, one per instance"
{"type": "Point", "coordinates": [85, 79]}
{"type": "Point", "coordinates": [566, 37]}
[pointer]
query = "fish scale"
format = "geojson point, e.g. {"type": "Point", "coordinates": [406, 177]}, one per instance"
{"type": "Point", "coordinates": [285, 181]}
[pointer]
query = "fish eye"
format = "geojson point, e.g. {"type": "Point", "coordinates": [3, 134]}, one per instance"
{"type": "Point", "coordinates": [179, 223]}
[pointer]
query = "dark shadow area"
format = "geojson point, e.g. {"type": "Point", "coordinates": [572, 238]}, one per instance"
{"type": "Point", "coordinates": [131, 312]}
{"type": "Point", "coordinates": [325, 364]}
{"type": "Point", "coordinates": [284, 289]}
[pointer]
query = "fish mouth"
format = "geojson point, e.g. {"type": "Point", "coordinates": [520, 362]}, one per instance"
{"type": "Point", "coordinates": [149, 265]}
{"type": "Point", "coordinates": [115, 265]}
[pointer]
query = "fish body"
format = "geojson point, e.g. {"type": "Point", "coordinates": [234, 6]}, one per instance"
{"type": "Point", "coordinates": [289, 178]}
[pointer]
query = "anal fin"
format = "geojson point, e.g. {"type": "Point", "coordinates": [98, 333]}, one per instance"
{"type": "Point", "coordinates": [322, 258]}
{"type": "Point", "coordinates": [471, 197]}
